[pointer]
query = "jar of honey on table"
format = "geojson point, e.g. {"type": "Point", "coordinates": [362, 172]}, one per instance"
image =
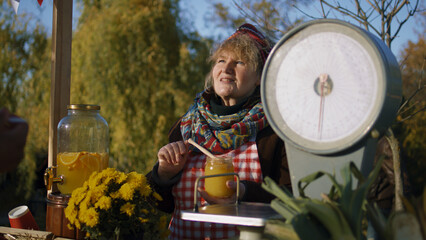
{"type": "Point", "coordinates": [216, 186]}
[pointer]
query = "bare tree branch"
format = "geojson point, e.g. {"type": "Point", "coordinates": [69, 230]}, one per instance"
{"type": "Point", "coordinates": [386, 10]}
{"type": "Point", "coordinates": [420, 87]}
{"type": "Point", "coordinates": [401, 24]}
{"type": "Point", "coordinates": [306, 14]}
{"type": "Point", "coordinates": [412, 115]}
{"type": "Point", "coordinates": [412, 106]}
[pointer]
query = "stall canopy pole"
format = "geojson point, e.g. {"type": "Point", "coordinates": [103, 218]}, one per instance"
{"type": "Point", "coordinates": [60, 72]}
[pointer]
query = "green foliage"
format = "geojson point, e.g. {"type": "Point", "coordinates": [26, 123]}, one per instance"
{"type": "Point", "coordinates": [24, 72]}
{"type": "Point", "coordinates": [15, 64]}
{"type": "Point", "coordinates": [132, 59]}
{"type": "Point", "coordinates": [412, 116]}
{"type": "Point", "coordinates": [338, 216]}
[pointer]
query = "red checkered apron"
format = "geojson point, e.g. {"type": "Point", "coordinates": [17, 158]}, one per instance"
{"type": "Point", "coordinates": [246, 164]}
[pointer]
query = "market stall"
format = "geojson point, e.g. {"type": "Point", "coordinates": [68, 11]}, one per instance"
{"type": "Point", "coordinates": [309, 149]}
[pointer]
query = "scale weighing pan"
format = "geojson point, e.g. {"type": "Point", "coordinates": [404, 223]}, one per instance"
{"type": "Point", "coordinates": [248, 214]}
{"type": "Point", "coordinates": [243, 214]}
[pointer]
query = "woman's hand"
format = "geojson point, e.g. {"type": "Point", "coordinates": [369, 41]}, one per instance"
{"type": "Point", "coordinates": [172, 158]}
{"type": "Point", "coordinates": [215, 200]}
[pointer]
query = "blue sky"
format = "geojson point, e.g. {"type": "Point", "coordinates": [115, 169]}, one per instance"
{"type": "Point", "coordinates": [195, 10]}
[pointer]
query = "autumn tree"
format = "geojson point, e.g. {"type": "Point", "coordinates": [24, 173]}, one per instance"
{"type": "Point", "coordinates": [413, 114]}
{"type": "Point", "coordinates": [135, 60]}
{"type": "Point", "coordinates": [23, 54]}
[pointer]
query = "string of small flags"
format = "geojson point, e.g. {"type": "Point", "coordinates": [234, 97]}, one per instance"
{"type": "Point", "coordinates": [15, 4]}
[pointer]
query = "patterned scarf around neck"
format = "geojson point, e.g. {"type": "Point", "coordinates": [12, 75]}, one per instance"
{"type": "Point", "coordinates": [221, 134]}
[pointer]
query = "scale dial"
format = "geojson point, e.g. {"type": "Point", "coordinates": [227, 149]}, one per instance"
{"type": "Point", "coordinates": [324, 86]}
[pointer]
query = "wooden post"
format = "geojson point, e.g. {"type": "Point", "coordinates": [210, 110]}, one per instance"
{"type": "Point", "coordinates": [60, 72]}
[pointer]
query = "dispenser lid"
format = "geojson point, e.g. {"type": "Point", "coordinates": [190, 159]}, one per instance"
{"type": "Point", "coordinates": [83, 107]}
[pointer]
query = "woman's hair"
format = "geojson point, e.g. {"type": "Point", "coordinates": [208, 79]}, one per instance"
{"type": "Point", "coordinates": [244, 46]}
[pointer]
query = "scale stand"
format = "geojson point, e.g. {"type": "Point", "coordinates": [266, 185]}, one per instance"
{"type": "Point", "coordinates": [302, 164]}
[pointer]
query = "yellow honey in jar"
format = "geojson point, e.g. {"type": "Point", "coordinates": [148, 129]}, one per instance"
{"type": "Point", "coordinates": [216, 186]}
{"type": "Point", "coordinates": [76, 168]}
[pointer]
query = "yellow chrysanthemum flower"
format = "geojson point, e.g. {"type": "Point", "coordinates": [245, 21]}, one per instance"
{"type": "Point", "coordinates": [145, 191]}
{"type": "Point", "coordinates": [108, 172]}
{"type": "Point", "coordinates": [126, 192]}
{"type": "Point", "coordinates": [136, 180]}
{"type": "Point", "coordinates": [144, 211]}
{"type": "Point", "coordinates": [157, 196]}
{"type": "Point", "coordinates": [84, 205]}
{"type": "Point", "coordinates": [108, 179]}
{"type": "Point", "coordinates": [121, 178]}
{"type": "Point", "coordinates": [97, 193]}
{"type": "Point", "coordinates": [86, 202]}
{"type": "Point", "coordinates": [70, 227]}
{"type": "Point", "coordinates": [77, 224]}
{"type": "Point", "coordinates": [78, 195]}
{"type": "Point", "coordinates": [94, 180]}
{"type": "Point", "coordinates": [90, 217]}
{"type": "Point", "coordinates": [127, 208]}
{"type": "Point", "coordinates": [104, 203]}
{"type": "Point", "coordinates": [115, 195]}
{"type": "Point", "coordinates": [71, 214]}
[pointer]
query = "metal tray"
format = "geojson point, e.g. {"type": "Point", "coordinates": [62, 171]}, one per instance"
{"type": "Point", "coordinates": [243, 214]}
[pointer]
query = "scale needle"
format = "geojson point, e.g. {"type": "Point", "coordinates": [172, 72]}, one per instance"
{"type": "Point", "coordinates": [323, 81]}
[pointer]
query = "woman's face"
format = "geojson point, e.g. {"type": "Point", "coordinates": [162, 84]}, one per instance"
{"type": "Point", "coordinates": [233, 79]}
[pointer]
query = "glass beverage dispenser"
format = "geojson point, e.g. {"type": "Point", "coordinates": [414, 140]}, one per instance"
{"type": "Point", "coordinates": [83, 138]}
{"type": "Point", "coordinates": [83, 148]}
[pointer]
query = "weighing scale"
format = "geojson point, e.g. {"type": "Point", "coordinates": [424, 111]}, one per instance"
{"type": "Point", "coordinates": [329, 90]}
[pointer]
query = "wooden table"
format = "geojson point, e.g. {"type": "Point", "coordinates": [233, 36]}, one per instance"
{"type": "Point", "coordinates": [15, 233]}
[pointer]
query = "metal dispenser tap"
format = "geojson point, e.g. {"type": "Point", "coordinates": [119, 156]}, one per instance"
{"type": "Point", "coordinates": [49, 178]}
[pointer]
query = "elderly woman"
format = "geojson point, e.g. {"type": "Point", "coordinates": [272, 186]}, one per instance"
{"type": "Point", "coordinates": [226, 118]}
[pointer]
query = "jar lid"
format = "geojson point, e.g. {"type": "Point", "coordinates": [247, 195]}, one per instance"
{"type": "Point", "coordinates": [220, 160]}
{"type": "Point", "coordinates": [83, 107]}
